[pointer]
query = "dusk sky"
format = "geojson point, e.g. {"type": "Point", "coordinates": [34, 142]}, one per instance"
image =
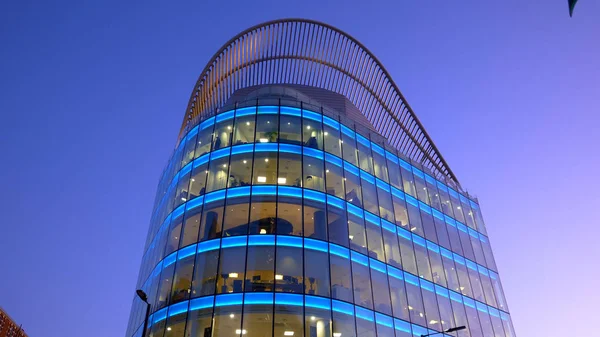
{"type": "Point", "coordinates": [93, 94]}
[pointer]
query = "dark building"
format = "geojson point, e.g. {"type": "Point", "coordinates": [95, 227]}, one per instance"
{"type": "Point", "coordinates": [304, 197]}
{"type": "Point", "coordinates": [8, 327]}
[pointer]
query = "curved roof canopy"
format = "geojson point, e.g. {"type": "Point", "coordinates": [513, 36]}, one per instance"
{"type": "Point", "coordinates": [307, 52]}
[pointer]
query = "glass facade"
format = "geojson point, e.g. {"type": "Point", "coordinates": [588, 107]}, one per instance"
{"type": "Point", "coordinates": [287, 220]}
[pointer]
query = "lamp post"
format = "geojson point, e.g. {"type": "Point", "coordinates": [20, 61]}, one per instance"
{"type": "Point", "coordinates": [462, 327]}
{"type": "Point", "coordinates": [142, 295]}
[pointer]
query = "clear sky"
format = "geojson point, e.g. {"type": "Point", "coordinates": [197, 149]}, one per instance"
{"type": "Point", "coordinates": [92, 94]}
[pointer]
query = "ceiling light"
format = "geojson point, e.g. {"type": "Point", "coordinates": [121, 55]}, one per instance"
{"type": "Point", "coordinates": [263, 140]}
{"type": "Point", "coordinates": [278, 277]}
{"type": "Point", "coordinates": [193, 179]}
{"type": "Point", "coordinates": [267, 160]}
{"type": "Point", "coordinates": [224, 165]}
{"type": "Point", "coordinates": [326, 171]}
{"type": "Point", "coordinates": [231, 315]}
{"type": "Point", "coordinates": [233, 275]}
{"type": "Point", "coordinates": [281, 180]}
{"type": "Point", "coordinates": [308, 127]}
{"type": "Point", "coordinates": [168, 328]}
{"type": "Point", "coordinates": [268, 122]}
{"type": "Point", "coordinates": [245, 161]}
{"type": "Point", "coordinates": [229, 128]}
{"type": "Point", "coordinates": [325, 133]}
{"type": "Point", "coordinates": [183, 199]}
{"type": "Point", "coordinates": [240, 331]}
{"type": "Point", "coordinates": [351, 237]}
{"type": "Point", "coordinates": [337, 334]}
{"type": "Point", "coordinates": [263, 231]}
{"type": "Point", "coordinates": [288, 333]}
{"type": "Point", "coordinates": [312, 318]}
{"type": "Point", "coordinates": [247, 123]}
{"type": "Point", "coordinates": [261, 179]}
{"type": "Point", "coordinates": [289, 123]}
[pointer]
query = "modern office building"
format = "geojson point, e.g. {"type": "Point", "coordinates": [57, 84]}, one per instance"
{"type": "Point", "coordinates": [8, 327]}
{"type": "Point", "coordinates": [305, 198]}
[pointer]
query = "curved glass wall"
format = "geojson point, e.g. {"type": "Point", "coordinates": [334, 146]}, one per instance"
{"type": "Point", "coordinates": [276, 220]}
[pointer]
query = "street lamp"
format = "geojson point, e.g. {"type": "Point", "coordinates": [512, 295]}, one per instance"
{"type": "Point", "coordinates": [142, 295]}
{"type": "Point", "coordinates": [447, 330]}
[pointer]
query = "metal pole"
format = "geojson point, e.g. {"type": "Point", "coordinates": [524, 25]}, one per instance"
{"type": "Point", "coordinates": [146, 319]}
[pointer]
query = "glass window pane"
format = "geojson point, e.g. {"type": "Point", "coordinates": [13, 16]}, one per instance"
{"type": "Point", "coordinates": [314, 175]}
{"type": "Point", "coordinates": [352, 180]}
{"type": "Point", "coordinates": [450, 271]}
{"type": "Point", "coordinates": [228, 321]}
{"type": "Point", "coordinates": [341, 278]}
{"type": "Point", "coordinates": [290, 169]}
{"type": "Point", "coordinates": [217, 174]}
{"type": "Point", "coordinates": [174, 235]}
{"type": "Point", "coordinates": [290, 127]}
{"type": "Point", "coordinates": [422, 258]}
{"type": "Point", "coordinates": [334, 177]}
{"type": "Point", "coordinates": [337, 223]}
{"type": "Point", "coordinates": [315, 220]}
{"type": "Point", "coordinates": [244, 129]}
{"type": "Point", "coordinates": [400, 212]}
{"type": "Point", "coordinates": [332, 140]}
{"type": "Point", "coordinates": [205, 273]}
{"type": "Point", "coordinates": [204, 141]}
{"type": "Point", "coordinates": [398, 296]}
{"type": "Point", "coordinates": [262, 215]}
{"type": "Point", "coordinates": [258, 320]}
{"type": "Point", "coordinates": [199, 323]}
{"type": "Point", "coordinates": [415, 302]}
{"type": "Point", "coordinates": [390, 243]}
{"type": "Point", "coordinates": [343, 324]}
{"type": "Point", "coordinates": [198, 181]}
{"type": "Point", "coordinates": [375, 241]}
{"type": "Point", "coordinates": [182, 280]}
{"type": "Point", "coordinates": [364, 157]}
{"type": "Point", "coordinates": [231, 270]}
{"type": "Point", "coordinates": [442, 230]}
{"type": "Point", "coordinates": [414, 217]}
{"type": "Point", "coordinates": [369, 194]}
{"type": "Point", "coordinates": [260, 268]}
{"type": "Point", "coordinates": [349, 149]}
{"type": "Point", "coordinates": [223, 134]}
{"type": "Point", "coordinates": [316, 271]}
{"type": "Point", "coordinates": [407, 252]}
{"type": "Point", "coordinates": [364, 327]}
{"type": "Point", "coordinates": [181, 195]}
{"type": "Point", "coordinates": [265, 168]}
{"type": "Point", "coordinates": [212, 220]}
{"type": "Point", "coordinates": [312, 133]}
{"type": "Point", "coordinates": [432, 191]}
{"type": "Point", "coordinates": [381, 293]}
{"type": "Point", "coordinates": [432, 314]}
{"type": "Point", "coordinates": [191, 225]}
{"type": "Point", "coordinates": [240, 170]}
{"type": "Point", "coordinates": [288, 269]}
{"type": "Point", "coordinates": [266, 128]}
{"type": "Point", "coordinates": [428, 225]}
{"type": "Point", "coordinates": [289, 215]}
{"type": "Point", "coordinates": [446, 315]}
{"type": "Point", "coordinates": [317, 322]}
{"type": "Point", "coordinates": [164, 287]}
{"type": "Point", "coordinates": [236, 216]}
{"type": "Point", "coordinates": [362, 285]}
{"type": "Point", "coordinates": [356, 233]}
{"type": "Point", "coordinates": [288, 318]}
{"type": "Point", "coordinates": [407, 178]}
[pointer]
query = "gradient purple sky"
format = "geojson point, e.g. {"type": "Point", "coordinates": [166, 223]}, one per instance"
{"type": "Point", "coordinates": [93, 93]}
